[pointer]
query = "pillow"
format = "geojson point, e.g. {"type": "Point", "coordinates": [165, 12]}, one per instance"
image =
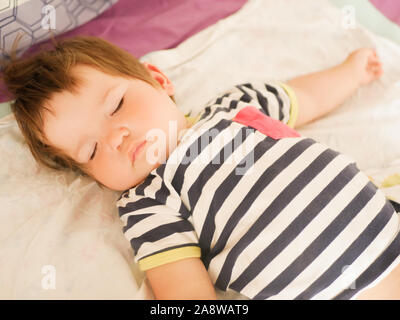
{"type": "Point", "coordinates": [35, 19]}
{"type": "Point", "coordinates": [142, 26]}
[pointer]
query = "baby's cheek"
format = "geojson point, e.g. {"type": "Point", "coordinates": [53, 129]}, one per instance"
{"type": "Point", "coordinates": [109, 173]}
{"type": "Point", "coordinates": [155, 152]}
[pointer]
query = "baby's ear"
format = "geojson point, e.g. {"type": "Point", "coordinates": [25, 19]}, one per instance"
{"type": "Point", "coordinates": [161, 78]}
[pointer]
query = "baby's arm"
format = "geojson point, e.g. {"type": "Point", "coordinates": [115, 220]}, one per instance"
{"type": "Point", "coordinates": [185, 279]}
{"type": "Point", "coordinates": [321, 92]}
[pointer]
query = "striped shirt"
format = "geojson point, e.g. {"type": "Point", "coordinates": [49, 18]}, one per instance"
{"type": "Point", "coordinates": [272, 214]}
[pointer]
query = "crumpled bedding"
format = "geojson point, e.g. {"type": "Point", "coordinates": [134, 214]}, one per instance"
{"type": "Point", "coordinates": [60, 235]}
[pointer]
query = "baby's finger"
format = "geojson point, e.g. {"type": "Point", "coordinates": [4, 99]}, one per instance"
{"type": "Point", "coordinates": [378, 71]}
{"type": "Point", "coordinates": [373, 59]}
{"type": "Point", "coordinates": [375, 64]}
{"type": "Point", "coordinates": [375, 69]}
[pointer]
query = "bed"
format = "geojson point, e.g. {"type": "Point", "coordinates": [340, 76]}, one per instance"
{"type": "Point", "coordinates": [60, 234]}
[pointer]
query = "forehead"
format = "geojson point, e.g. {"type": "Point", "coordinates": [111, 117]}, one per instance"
{"type": "Point", "coordinates": [89, 76]}
{"type": "Point", "coordinates": [90, 82]}
{"type": "Point", "coordinates": [70, 111]}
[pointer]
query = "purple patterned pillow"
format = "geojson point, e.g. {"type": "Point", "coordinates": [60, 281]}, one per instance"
{"type": "Point", "coordinates": [35, 19]}
{"type": "Point", "coordinates": [142, 26]}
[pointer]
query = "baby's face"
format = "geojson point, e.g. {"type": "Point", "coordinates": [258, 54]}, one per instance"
{"type": "Point", "coordinates": [104, 123]}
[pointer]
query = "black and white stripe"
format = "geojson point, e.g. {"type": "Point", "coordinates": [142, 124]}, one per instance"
{"type": "Point", "coordinates": [302, 222]}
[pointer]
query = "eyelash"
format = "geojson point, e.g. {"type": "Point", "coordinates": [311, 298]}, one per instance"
{"type": "Point", "coordinates": [115, 111]}
{"type": "Point", "coordinates": [119, 106]}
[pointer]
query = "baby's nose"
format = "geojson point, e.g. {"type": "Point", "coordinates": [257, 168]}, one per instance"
{"type": "Point", "coordinates": [116, 137]}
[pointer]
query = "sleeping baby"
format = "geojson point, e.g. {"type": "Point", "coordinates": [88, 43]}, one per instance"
{"type": "Point", "coordinates": [233, 198]}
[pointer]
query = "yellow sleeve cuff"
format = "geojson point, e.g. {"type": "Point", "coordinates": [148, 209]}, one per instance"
{"type": "Point", "coordinates": [294, 107]}
{"type": "Point", "coordinates": [172, 255]}
{"type": "Point", "coordinates": [391, 181]}
{"type": "Point", "coordinates": [192, 120]}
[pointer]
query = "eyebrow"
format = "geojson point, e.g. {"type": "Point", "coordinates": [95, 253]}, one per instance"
{"type": "Point", "coordinates": [102, 102]}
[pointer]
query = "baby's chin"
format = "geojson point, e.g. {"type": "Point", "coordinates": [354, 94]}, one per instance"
{"type": "Point", "coordinates": [140, 170]}
{"type": "Point", "coordinates": [122, 184]}
{"type": "Point", "coordinates": [126, 185]}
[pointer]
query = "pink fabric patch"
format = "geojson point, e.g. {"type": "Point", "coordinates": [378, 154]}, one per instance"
{"type": "Point", "coordinates": [253, 117]}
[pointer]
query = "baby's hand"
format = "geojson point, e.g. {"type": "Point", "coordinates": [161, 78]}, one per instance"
{"type": "Point", "coordinates": [365, 64]}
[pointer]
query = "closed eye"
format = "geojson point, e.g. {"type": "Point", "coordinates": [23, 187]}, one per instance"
{"type": "Point", "coordinates": [119, 106]}
{"type": "Point", "coordinates": [115, 111]}
{"type": "Point", "coordinates": [94, 152]}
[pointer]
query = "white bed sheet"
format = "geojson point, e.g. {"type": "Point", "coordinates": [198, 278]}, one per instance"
{"type": "Point", "coordinates": [67, 222]}
{"type": "Point", "coordinates": [280, 40]}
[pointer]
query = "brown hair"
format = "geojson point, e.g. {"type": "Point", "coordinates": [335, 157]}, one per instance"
{"type": "Point", "coordinates": [33, 80]}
